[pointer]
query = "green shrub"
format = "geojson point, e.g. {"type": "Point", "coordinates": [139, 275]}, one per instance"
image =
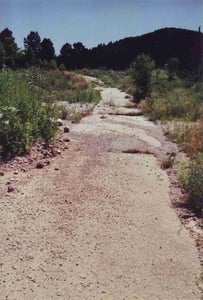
{"type": "Point", "coordinates": [85, 96]}
{"type": "Point", "coordinates": [141, 72]}
{"type": "Point", "coordinates": [191, 180]}
{"type": "Point", "coordinates": [62, 67]}
{"type": "Point", "coordinates": [24, 117]}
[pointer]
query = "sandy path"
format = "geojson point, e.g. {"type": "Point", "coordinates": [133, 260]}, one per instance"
{"type": "Point", "coordinates": [97, 223]}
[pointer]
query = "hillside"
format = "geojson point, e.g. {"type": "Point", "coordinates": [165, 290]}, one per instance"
{"type": "Point", "coordinates": [187, 45]}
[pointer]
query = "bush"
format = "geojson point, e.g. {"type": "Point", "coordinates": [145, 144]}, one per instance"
{"type": "Point", "coordinates": [85, 96]}
{"type": "Point", "coordinates": [141, 72]}
{"type": "Point", "coordinates": [62, 67]}
{"type": "Point", "coordinates": [24, 117]}
{"type": "Point", "coordinates": [191, 180]}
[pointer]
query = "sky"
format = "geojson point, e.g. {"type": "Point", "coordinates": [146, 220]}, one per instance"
{"type": "Point", "coordinates": [96, 21]}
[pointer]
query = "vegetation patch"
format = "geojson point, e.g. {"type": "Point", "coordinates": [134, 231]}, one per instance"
{"type": "Point", "coordinates": [191, 180]}
{"type": "Point", "coordinates": [24, 116]}
{"type": "Point", "coordinates": [168, 162]}
{"type": "Point", "coordinates": [136, 151]}
{"type": "Point", "coordinates": [28, 107]}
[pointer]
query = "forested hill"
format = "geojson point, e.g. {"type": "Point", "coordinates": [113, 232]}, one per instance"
{"type": "Point", "coordinates": [161, 45]}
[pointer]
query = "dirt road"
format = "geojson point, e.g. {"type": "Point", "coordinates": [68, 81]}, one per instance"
{"type": "Point", "coordinates": [97, 223]}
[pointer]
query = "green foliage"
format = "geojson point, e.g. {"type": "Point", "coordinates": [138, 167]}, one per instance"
{"type": "Point", "coordinates": [2, 53]}
{"type": "Point", "coordinates": [53, 64]}
{"type": "Point", "coordinates": [62, 67]}
{"type": "Point", "coordinates": [119, 79]}
{"type": "Point", "coordinates": [24, 117]}
{"type": "Point", "coordinates": [173, 98]}
{"type": "Point", "coordinates": [85, 96]}
{"type": "Point", "coordinates": [168, 162]}
{"type": "Point", "coordinates": [173, 67]}
{"type": "Point", "coordinates": [191, 180]}
{"type": "Point", "coordinates": [8, 48]}
{"type": "Point", "coordinates": [141, 72]}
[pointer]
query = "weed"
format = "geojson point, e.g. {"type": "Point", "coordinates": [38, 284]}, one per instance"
{"type": "Point", "coordinates": [129, 104]}
{"type": "Point", "coordinates": [24, 117]}
{"type": "Point", "coordinates": [136, 151]}
{"type": "Point", "coordinates": [168, 162]}
{"type": "Point", "coordinates": [77, 116]}
{"type": "Point", "coordinates": [191, 180]}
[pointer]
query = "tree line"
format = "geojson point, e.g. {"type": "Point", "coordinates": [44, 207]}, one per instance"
{"type": "Point", "coordinates": [161, 45]}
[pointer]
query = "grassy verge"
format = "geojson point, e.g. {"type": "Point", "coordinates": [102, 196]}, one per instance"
{"type": "Point", "coordinates": [178, 104]}
{"type": "Point", "coordinates": [24, 116]}
{"type": "Point", "coordinates": [28, 107]}
{"type": "Point", "coordinates": [120, 79]}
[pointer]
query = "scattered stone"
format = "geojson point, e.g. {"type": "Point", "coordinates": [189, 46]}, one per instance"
{"type": "Point", "coordinates": [47, 162]}
{"type": "Point", "coordinates": [66, 129]}
{"type": "Point", "coordinates": [8, 182]}
{"type": "Point", "coordinates": [58, 151]}
{"type": "Point", "coordinates": [59, 122]}
{"type": "Point", "coordinates": [66, 139]}
{"type": "Point", "coordinates": [39, 165]}
{"type": "Point", "coordinates": [1, 173]}
{"type": "Point", "coordinates": [56, 169]}
{"type": "Point", "coordinates": [16, 172]}
{"type": "Point", "coordinates": [11, 188]}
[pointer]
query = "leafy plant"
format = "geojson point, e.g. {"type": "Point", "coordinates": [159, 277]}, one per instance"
{"type": "Point", "coordinates": [24, 117]}
{"type": "Point", "coordinates": [191, 180]}
{"type": "Point", "coordinates": [141, 72]}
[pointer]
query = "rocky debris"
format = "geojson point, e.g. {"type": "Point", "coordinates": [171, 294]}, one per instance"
{"type": "Point", "coordinates": [66, 129]}
{"type": "Point", "coordinates": [66, 139]}
{"type": "Point", "coordinates": [59, 122]}
{"type": "Point", "coordinates": [38, 153]}
{"type": "Point", "coordinates": [40, 165]}
{"type": "Point", "coordinates": [11, 188]}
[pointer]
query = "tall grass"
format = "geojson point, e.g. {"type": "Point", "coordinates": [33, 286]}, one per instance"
{"type": "Point", "coordinates": [191, 179]}
{"type": "Point", "coordinates": [62, 86]}
{"type": "Point", "coordinates": [27, 105]}
{"type": "Point", "coordinates": [120, 79]}
{"type": "Point", "coordinates": [24, 117]}
{"type": "Point", "coordinates": [175, 99]}
{"type": "Point", "coordinates": [179, 101]}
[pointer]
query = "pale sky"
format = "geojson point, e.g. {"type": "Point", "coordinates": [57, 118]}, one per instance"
{"type": "Point", "coordinates": [96, 21]}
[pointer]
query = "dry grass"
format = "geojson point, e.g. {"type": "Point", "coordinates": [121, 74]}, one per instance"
{"type": "Point", "coordinates": [168, 162]}
{"type": "Point", "coordinates": [136, 151]}
{"type": "Point", "coordinates": [129, 104]}
{"type": "Point", "coordinates": [188, 135]}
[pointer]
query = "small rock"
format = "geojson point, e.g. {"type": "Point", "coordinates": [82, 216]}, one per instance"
{"type": "Point", "coordinates": [1, 173]}
{"type": "Point", "coordinates": [56, 169]}
{"type": "Point", "coordinates": [66, 139]}
{"type": "Point", "coordinates": [11, 189]}
{"type": "Point", "coordinates": [15, 173]}
{"type": "Point", "coordinates": [58, 151]}
{"type": "Point", "coordinates": [39, 165]}
{"type": "Point", "coordinates": [59, 122]}
{"type": "Point", "coordinates": [66, 129]}
{"type": "Point", "coordinates": [8, 182]}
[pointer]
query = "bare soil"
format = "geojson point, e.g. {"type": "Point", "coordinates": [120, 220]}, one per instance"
{"type": "Point", "coordinates": [97, 223]}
